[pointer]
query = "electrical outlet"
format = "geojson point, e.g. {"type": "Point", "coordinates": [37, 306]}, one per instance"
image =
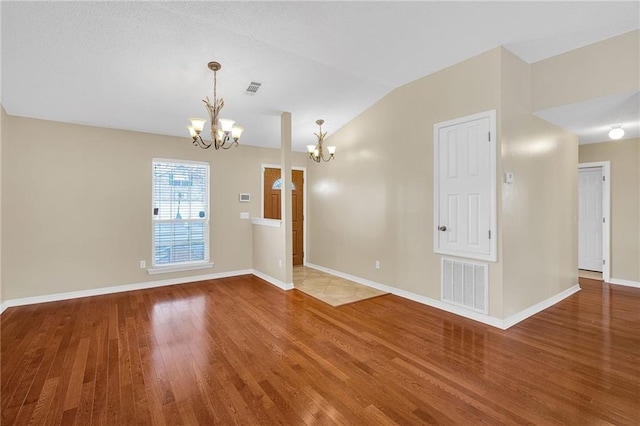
{"type": "Point", "coordinates": [377, 264]}
{"type": "Point", "coordinates": [279, 263]}
{"type": "Point", "coordinates": [143, 264]}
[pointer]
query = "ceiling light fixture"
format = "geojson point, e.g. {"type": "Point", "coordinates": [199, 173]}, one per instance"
{"type": "Point", "coordinates": [616, 133]}
{"type": "Point", "coordinates": [316, 151]}
{"type": "Point", "coordinates": [222, 129]}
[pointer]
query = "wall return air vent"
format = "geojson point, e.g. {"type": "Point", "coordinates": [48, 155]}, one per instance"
{"type": "Point", "coordinates": [466, 284]}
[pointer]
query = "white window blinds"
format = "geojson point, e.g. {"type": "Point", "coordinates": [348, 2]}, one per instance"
{"type": "Point", "coordinates": [180, 212]}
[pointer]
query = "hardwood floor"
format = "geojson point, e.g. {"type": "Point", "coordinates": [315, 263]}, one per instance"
{"type": "Point", "coordinates": [240, 351]}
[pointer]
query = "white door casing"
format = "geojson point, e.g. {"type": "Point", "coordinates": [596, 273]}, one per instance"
{"type": "Point", "coordinates": [304, 199]}
{"type": "Point", "coordinates": [590, 219]}
{"type": "Point", "coordinates": [465, 187]}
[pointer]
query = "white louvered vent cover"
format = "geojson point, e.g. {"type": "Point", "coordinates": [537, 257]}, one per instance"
{"type": "Point", "coordinates": [465, 284]}
{"type": "Point", "coordinates": [253, 87]}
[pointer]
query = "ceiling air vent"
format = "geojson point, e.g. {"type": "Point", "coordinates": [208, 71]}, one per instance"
{"type": "Point", "coordinates": [253, 88]}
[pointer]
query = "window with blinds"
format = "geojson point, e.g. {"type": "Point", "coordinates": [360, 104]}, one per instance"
{"type": "Point", "coordinates": [180, 212]}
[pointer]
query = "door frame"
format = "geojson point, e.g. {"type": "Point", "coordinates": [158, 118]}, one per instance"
{"type": "Point", "coordinates": [493, 224]}
{"type": "Point", "coordinates": [304, 201]}
{"type": "Point", "coordinates": [605, 166]}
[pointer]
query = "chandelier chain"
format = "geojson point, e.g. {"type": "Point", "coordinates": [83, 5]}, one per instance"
{"type": "Point", "coordinates": [215, 84]}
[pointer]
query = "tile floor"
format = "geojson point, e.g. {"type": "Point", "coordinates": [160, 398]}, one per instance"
{"type": "Point", "coordinates": [330, 289]}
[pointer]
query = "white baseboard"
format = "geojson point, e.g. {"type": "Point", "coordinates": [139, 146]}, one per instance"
{"type": "Point", "coordinates": [627, 283]}
{"type": "Point", "coordinates": [281, 285]}
{"type": "Point", "coordinates": [118, 289]}
{"type": "Point", "coordinates": [538, 307]}
{"type": "Point", "coordinates": [485, 319]}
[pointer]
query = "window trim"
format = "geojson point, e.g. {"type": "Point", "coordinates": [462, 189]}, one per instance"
{"type": "Point", "coordinates": [179, 267]}
{"type": "Point", "coordinates": [182, 266]}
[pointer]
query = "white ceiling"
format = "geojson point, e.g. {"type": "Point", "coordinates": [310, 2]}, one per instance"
{"type": "Point", "coordinates": [142, 65]}
{"type": "Point", "coordinates": [593, 119]}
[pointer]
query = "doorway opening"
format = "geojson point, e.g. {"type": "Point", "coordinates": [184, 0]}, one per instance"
{"type": "Point", "coordinates": [593, 220]}
{"type": "Point", "coordinates": [271, 204]}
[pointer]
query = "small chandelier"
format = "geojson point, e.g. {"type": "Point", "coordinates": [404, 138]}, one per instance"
{"type": "Point", "coordinates": [222, 129]}
{"type": "Point", "coordinates": [316, 152]}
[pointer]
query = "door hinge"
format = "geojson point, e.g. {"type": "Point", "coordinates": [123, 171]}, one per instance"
{"type": "Point", "coordinates": [603, 178]}
{"type": "Point", "coordinates": [603, 220]}
{"type": "Point", "coordinates": [489, 137]}
{"type": "Point", "coordinates": [603, 261]}
{"type": "Point", "coordinates": [489, 234]}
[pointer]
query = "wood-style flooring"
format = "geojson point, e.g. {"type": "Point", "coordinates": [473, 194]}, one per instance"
{"type": "Point", "coordinates": [240, 351]}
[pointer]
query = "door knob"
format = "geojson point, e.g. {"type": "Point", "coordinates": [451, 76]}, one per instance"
{"type": "Point", "coordinates": [442, 228]}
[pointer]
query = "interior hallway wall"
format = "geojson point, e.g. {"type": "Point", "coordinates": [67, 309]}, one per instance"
{"type": "Point", "coordinates": [375, 200]}
{"type": "Point", "coordinates": [605, 68]}
{"type": "Point", "coordinates": [624, 156]}
{"type": "Point", "coordinates": [539, 209]}
{"type": "Point", "coordinates": [3, 118]}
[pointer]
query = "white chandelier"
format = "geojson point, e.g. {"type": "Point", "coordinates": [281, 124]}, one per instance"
{"type": "Point", "coordinates": [223, 132]}
{"type": "Point", "coordinates": [316, 152]}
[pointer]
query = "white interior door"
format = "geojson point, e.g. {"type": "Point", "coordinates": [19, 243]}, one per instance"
{"type": "Point", "coordinates": [590, 219]}
{"type": "Point", "coordinates": [465, 187]}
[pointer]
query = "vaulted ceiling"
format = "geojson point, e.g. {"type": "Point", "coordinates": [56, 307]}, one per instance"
{"type": "Point", "coordinates": [142, 65]}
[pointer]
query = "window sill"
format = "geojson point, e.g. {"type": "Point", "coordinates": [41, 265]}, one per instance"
{"type": "Point", "coordinates": [179, 268]}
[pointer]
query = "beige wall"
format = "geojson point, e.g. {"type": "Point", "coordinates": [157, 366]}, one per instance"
{"type": "Point", "coordinates": [77, 214]}
{"type": "Point", "coordinates": [605, 68]}
{"type": "Point", "coordinates": [272, 248]}
{"type": "Point", "coordinates": [539, 232]}
{"type": "Point", "coordinates": [375, 200]}
{"type": "Point", "coordinates": [3, 118]}
{"type": "Point", "coordinates": [625, 203]}
{"type": "Point", "coordinates": [269, 251]}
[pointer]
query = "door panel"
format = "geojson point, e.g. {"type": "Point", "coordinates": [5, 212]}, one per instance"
{"type": "Point", "coordinates": [590, 219]}
{"type": "Point", "coordinates": [474, 219]}
{"type": "Point", "coordinates": [273, 203]}
{"type": "Point", "coordinates": [464, 185]}
{"type": "Point", "coordinates": [297, 209]}
{"type": "Point", "coordinates": [454, 223]}
{"type": "Point", "coordinates": [272, 206]}
{"type": "Point", "coordinates": [271, 195]}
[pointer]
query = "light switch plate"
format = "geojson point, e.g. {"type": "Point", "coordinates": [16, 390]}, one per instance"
{"type": "Point", "coordinates": [508, 177]}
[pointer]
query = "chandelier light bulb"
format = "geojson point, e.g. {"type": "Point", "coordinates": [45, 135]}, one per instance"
{"type": "Point", "coordinates": [226, 124]}
{"type": "Point", "coordinates": [197, 124]}
{"type": "Point", "coordinates": [236, 131]}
